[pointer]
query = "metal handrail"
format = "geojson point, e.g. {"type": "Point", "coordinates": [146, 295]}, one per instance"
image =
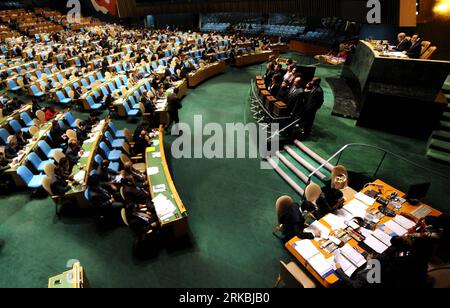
{"type": "Point", "coordinates": [386, 152]}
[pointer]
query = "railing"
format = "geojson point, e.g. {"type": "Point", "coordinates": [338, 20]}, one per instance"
{"type": "Point", "coordinates": [254, 97]}
{"type": "Point", "coordinates": [385, 152]}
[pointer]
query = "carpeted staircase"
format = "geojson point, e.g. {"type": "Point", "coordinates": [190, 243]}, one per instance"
{"type": "Point", "coordinates": [294, 164]}
{"type": "Point", "coordinates": [439, 144]}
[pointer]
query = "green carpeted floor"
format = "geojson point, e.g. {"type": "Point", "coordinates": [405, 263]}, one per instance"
{"type": "Point", "coordinates": [230, 205]}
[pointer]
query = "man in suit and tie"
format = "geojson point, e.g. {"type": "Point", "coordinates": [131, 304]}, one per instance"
{"type": "Point", "coordinates": [415, 50]}
{"type": "Point", "coordinates": [313, 102]}
{"type": "Point", "coordinates": [295, 97]}
{"type": "Point", "coordinates": [403, 43]}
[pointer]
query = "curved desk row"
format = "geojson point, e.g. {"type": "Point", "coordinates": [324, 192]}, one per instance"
{"type": "Point", "coordinates": [254, 58]}
{"type": "Point", "coordinates": [203, 74]}
{"type": "Point", "coordinates": [83, 169]}
{"type": "Point", "coordinates": [168, 205]}
{"type": "Point", "coordinates": [30, 147]}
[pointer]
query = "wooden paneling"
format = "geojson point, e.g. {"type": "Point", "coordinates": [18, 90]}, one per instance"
{"type": "Point", "coordinates": [408, 17]}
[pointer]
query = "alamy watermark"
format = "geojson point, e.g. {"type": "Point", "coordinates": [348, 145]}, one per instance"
{"type": "Point", "coordinates": [229, 141]}
{"type": "Point", "coordinates": [374, 14]}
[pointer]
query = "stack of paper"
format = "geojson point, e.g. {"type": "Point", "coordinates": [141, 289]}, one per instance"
{"type": "Point", "coordinates": [314, 258]}
{"type": "Point", "coordinates": [79, 177]}
{"type": "Point", "coordinates": [348, 267]}
{"type": "Point", "coordinates": [164, 207]}
{"type": "Point", "coordinates": [318, 226]}
{"type": "Point", "coordinates": [404, 222]}
{"type": "Point", "coordinates": [152, 170]}
{"type": "Point", "coordinates": [393, 229]}
{"type": "Point", "coordinates": [353, 256]}
{"type": "Point", "coordinates": [335, 222]}
{"type": "Point", "coordinates": [365, 199]}
{"type": "Point", "coordinates": [356, 208]}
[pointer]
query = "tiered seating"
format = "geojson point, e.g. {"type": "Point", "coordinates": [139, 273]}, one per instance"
{"type": "Point", "coordinates": [321, 36]}
{"type": "Point", "coordinates": [284, 30]}
{"type": "Point", "coordinates": [215, 27]}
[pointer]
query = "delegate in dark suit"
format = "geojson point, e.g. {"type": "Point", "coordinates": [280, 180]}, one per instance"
{"type": "Point", "coordinates": [415, 50]}
{"type": "Point", "coordinates": [403, 45]}
{"type": "Point", "coordinates": [313, 102]}
{"type": "Point", "coordinates": [294, 223]}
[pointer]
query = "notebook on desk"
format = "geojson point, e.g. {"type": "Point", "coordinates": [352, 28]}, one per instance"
{"type": "Point", "coordinates": [314, 257]}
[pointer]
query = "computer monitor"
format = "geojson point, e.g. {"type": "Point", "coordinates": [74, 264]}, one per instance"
{"type": "Point", "coordinates": [417, 192]}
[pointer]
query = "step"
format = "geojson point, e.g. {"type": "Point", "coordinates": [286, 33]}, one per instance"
{"type": "Point", "coordinates": [304, 163]}
{"type": "Point", "coordinates": [291, 166]}
{"type": "Point", "coordinates": [446, 116]}
{"type": "Point", "coordinates": [441, 135]}
{"type": "Point", "coordinates": [314, 155]}
{"type": "Point", "coordinates": [441, 156]}
{"type": "Point", "coordinates": [445, 125]}
{"type": "Point", "coordinates": [440, 145]}
{"type": "Point", "coordinates": [285, 176]}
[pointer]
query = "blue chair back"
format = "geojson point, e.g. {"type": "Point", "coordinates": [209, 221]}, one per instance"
{"type": "Point", "coordinates": [15, 125]}
{"type": "Point", "coordinates": [34, 159]}
{"type": "Point", "coordinates": [44, 147]}
{"type": "Point", "coordinates": [26, 117]}
{"type": "Point", "coordinates": [25, 174]}
{"type": "Point", "coordinates": [4, 135]}
{"type": "Point", "coordinates": [104, 148]}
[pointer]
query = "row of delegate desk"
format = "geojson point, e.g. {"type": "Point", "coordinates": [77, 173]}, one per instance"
{"type": "Point", "coordinates": [254, 58]}
{"type": "Point", "coordinates": [28, 149]}
{"type": "Point", "coordinates": [331, 279]}
{"type": "Point", "coordinates": [159, 177]}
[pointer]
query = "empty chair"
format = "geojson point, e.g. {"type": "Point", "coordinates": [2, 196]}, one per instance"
{"type": "Point", "coordinates": [112, 155]}
{"type": "Point", "coordinates": [92, 105]}
{"type": "Point", "coordinates": [17, 127]}
{"type": "Point", "coordinates": [100, 77]}
{"type": "Point", "coordinates": [112, 165]}
{"type": "Point", "coordinates": [26, 119]}
{"type": "Point", "coordinates": [31, 180]}
{"type": "Point", "coordinates": [47, 150]}
{"type": "Point", "coordinates": [115, 143]}
{"type": "Point", "coordinates": [70, 120]}
{"type": "Point", "coordinates": [116, 133]}
{"type": "Point", "coordinates": [92, 79]}
{"type": "Point", "coordinates": [61, 98]}
{"type": "Point", "coordinates": [85, 84]}
{"type": "Point", "coordinates": [111, 87]}
{"type": "Point", "coordinates": [36, 93]}
{"type": "Point", "coordinates": [129, 111]}
{"type": "Point", "coordinates": [118, 83]}
{"type": "Point", "coordinates": [13, 86]}
{"type": "Point", "coordinates": [133, 103]}
{"type": "Point", "coordinates": [118, 69]}
{"type": "Point", "coordinates": [39, 164]}
{"type": "Point", "coordinates": [4, 135]}
{"type": "Point", "coordinates": [104, 91]}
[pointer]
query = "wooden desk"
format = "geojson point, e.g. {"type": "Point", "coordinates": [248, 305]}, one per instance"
{"type": "Point", "coordinates": [203, 74]}
{"type": "Point", "coordinates": [33, 143]}
{"type": "Point", "coordinates": [333, 279]}
{"type": "Point", "coordinates": [178, 221]}
{"type": "Point", "coordinates": [16, 115]}
{"type": "Point", "coordinates": [253, 58]}
{"type": "Point", "coordinates": [85, 165]}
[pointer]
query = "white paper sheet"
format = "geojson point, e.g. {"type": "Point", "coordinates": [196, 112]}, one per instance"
{"type": "Point", "coordinates": [365, 199]}
{"type": "Point", "coordinates": [356, 208]}
{"type": "Point", "coordinates": [335, 222]}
